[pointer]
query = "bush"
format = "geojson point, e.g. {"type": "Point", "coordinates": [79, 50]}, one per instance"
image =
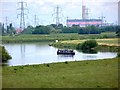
{"type": "Point", "coordinates": [87, 45]}
{"type": "Point", "coordinates": [4, 54]}
{"type": "Point", "coordinates": [78, 47]}
{"type": "Point", "coordinates": [118, 55]}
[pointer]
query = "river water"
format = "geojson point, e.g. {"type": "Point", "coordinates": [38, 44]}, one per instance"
{"type": "Point", "coordinates": [40, 53]}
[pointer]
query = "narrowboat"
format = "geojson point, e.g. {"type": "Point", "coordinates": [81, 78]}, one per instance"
{"type": "Point", "coordinates": [66, 51]}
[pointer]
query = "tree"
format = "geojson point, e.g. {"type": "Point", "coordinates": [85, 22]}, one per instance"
{"type": "Point", "coordinates": [28, 30]}
{"type": "Point", "coordinates": [60, 26]}
{"type": "Point", "coordinates": [10, 30]}
{"type": "Point", "coordinates": [108, 29]}
{"type": "Point", "coordinates": [83, 31]}
{"type": "Point", "coordinates": [73, 29]}
{"type": "Point", "coordinates": [2, 29]}
{"type": "Point", "coordinates": [118, 31]}
{"type": "Point", "coordinates": [54, 25]}
{"type": "Point", "coordinates": [41, 30]}
{"type": "Point", "coordinates": [89, 30]}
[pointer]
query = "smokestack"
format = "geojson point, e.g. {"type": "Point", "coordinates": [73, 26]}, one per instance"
{"type": "Point", "coordinates": [83, 9]}
{"type": "Point", "coordinates": [84, 16]}
{"type": "Point", "coordinates": [83, 12]}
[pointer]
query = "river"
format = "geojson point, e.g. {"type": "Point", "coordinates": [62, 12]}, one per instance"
{"type": "Point", "coordinates": [40, 53]}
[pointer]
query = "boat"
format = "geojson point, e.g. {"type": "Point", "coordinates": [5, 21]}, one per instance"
{"type": "Point", "coordinates": [66, 52]}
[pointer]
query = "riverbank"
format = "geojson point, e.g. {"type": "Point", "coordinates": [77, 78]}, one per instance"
{"type": "Point", "coordinates": [78, 74]}
{"type": "Point", "coordinates": [106, 44]}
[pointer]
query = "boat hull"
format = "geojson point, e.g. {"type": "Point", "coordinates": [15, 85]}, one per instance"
{"type": "Point", "coordinates": [66, 52]}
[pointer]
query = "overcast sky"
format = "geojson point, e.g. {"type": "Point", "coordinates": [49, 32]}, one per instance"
{"type": "Point", "coordinates": [69, 8]}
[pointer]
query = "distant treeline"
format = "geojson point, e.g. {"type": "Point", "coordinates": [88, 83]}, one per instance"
{"type": "Point", "coordinates": [53, 28]}
{"type": "Point", "coordinates": [74, 29]}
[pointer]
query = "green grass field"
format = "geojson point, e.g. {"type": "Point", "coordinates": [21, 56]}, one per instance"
{"type": "Point", "coordinates": [78, 74]}
{"type": "Point", "coordinates": [105, 41]}
{"type": "Point", "coordinates": [0, 77]}
{"type": "Point", "coordinates": [53, 37]}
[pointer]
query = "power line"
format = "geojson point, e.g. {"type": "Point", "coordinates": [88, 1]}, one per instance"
{"type": "Point", "coordinates": [22, 14]}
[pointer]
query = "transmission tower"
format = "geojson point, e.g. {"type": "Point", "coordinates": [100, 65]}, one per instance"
{"type": "Point", "coordinates": [22, 14]}
{"type": "Point", "coordinates": [67, 21]}
{"type": "Point", "coordinates": [36, 21]}
{"type": "Point", "coordinates": [6, 21]}
{"type": "Point", "coordinates": [57, 13]}
{"type": "Point", "coordinates": [102, 18]}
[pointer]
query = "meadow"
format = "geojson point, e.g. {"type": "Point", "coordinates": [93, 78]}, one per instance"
{"type": "Point", "coordinates": [52, 37]}
{"type": "Point", "coordinates": [105, 41]}
{"type": "Point", "coordinates": [78, 74]}
{"type": "Point", "coordinates": [0, 77]}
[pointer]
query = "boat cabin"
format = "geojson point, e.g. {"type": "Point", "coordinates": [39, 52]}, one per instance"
{"type": "Point", "coordinates": [66, 51]}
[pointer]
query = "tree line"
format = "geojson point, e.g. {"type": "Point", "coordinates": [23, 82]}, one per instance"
{"type": "Point", "coordinates": [53, 28]}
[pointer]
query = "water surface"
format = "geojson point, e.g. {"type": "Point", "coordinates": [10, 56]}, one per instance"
{"type": "Point", "coordinates": [39, 53]}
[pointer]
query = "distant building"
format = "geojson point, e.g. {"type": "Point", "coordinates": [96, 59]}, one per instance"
{"type": "Point", "coordinates": [84, 22]}
{"type": "Point", "coordinates": [18, 31]}
{"type": "Point", "coordinates": [119, 13]}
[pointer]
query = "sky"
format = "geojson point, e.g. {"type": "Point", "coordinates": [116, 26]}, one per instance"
{"type": "Point", "coordinates": [45, 10]}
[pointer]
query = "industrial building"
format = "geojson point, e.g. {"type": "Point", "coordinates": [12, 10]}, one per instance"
{"type": "Point", "coordinates": [119, 13]}
{"type": "Point", "coordinates": [85, 21]}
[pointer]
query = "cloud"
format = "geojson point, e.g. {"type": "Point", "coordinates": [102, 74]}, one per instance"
{"type": "Point", "coordinates": [71, 8]}
{"type": "Point", "coordinates": [9, 0]}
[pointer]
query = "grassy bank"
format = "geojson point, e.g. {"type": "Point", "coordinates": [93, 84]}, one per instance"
{"type": "Point", "coordinates": [78, 74]}
{"type": "Point", "coordinates": [53, 37]}
{"type": "Point", "coordinates": [1, 77]}
{"type": "Point", "coordinates": [106, 44]}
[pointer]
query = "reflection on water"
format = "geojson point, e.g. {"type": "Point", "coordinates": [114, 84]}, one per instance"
{"type": "Point", "coordinates": [65, 55]}
{"type": "Point", "coordinates": [90, 51]}
{"type": "Point", "coordinates": [22, 47]}
{"type": "Point", "coordinates": [39, 53]}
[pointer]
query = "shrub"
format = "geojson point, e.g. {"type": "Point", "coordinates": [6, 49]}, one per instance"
{"type": "Point", "coordinates": [4, 54]}
{"type": "Point", "coordinates": [118, 55]}
{"type": "Point", "coordinates": [78, 47]}
{"type": "Point", "coordinates": [87, 45]}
